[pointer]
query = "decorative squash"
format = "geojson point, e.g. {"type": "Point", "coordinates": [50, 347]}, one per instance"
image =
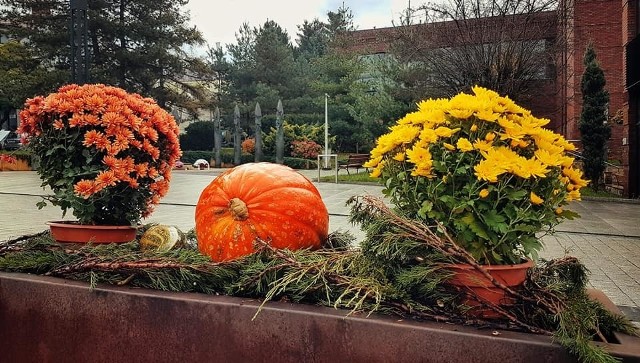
{"type": "Point", "coordinates": [265, 200]}
{"type": "Point", "coordinates": [162, 238]}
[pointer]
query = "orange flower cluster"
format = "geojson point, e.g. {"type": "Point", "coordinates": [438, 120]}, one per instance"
{"type": "Point", "coordinates": [133, 139]}
{"type": "Point", "coordinates": [7, 159]}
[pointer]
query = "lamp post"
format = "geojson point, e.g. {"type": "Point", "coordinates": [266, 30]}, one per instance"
{"type": "Point", "coordinates": [79, 47]}
{"type": "Point", "coordinates": [326, 131]}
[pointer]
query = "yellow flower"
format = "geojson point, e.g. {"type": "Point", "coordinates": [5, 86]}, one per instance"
{"type": "Point", "coordinates": [575, 176]}
{"type": "Point", "coordinates": [428, 136]}
{"type": "Point", "coordinates": [484, 92]}
{"type": "Point", "coordinates": [559, 211]}
{"type": "Point", "coordinates": [372, 163]}
{"type": "Point", "coordinates": [482, 145]}
{"type": "Point", "coordinates": [399, 156]}
{"type": "Point", "coordinates": [435, 116]}
{"type": "Point", "coordinates": [449, 146]}
{"type": "Point", "coordinates": [535, 199]}
{"type": "Point", "coordinates": [464, 145]}
{"type": "Point", "coordinates": [573, 195]}
{"type": "Point", "coordinates": [484, 193]}
{"type": "Point", "coordinates": [375, 173]}
{"type": "Point", "coordinates": [421, 157]}
{"type": "Point", "coordinates": [461, 114]}
{"type": "Point", "coordinates": [548, 158]}
{"type": "Point", "coordinates": [488, 171]}
{"type": "Point", "coordinates": [404, 134]}
{"type": "Point", "coordinates": [487, 115]}
{"type": "Point", "coordinates": [490, 136]}
{"type": "Point", "coordinates": [445, 131]}
{"type": "Point", "coordinates": [474, 128]}
{"type": "Point", "coordinates": [527, 168]}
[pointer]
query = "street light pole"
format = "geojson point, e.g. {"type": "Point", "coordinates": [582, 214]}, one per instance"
{"type": "Point", "coordinates": [326, 131]}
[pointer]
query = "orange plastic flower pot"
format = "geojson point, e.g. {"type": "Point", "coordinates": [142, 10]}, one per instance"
{"type": "Point", "coordinates": [477, 288]}
{"type": "Point", "coordinates": [73, 232]}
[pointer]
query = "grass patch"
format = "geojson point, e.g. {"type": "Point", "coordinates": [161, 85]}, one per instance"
{"type": "Point", "coordinates": [362, 177]}
{"type": "Point", "coordinates": [601, 193]}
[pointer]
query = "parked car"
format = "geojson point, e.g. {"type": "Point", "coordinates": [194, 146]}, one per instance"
{"type": "Point", "coordinates": [9, 140]}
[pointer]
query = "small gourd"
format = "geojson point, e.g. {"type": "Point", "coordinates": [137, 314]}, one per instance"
{"type": "Point", "coordinates": [161, 238]}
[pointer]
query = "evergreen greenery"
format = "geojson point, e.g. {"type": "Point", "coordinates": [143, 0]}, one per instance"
{"type": "Point", "coordinates": [137, 45]}
{"type": "Point", "coordinates": [400, 269]}
{"type": "Point", "coordinates": [595, 131]}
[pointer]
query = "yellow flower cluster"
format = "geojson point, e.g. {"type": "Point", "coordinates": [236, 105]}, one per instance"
{"type": "Point", "coordinates": [507, 140]}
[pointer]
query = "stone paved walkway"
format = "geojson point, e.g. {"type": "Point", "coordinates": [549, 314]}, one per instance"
{"type": "Point", "coordinates": [606, 238]}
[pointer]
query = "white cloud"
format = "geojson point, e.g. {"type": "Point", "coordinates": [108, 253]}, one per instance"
{"type": "Point", "coordinates": [219, 21]}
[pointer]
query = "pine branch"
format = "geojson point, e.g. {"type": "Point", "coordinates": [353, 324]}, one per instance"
{"type": "Point", "coordinates": [399, 270]}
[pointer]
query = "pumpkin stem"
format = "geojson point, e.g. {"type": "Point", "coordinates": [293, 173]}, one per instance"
{"type": "Point", "coordinates": [238, 209]}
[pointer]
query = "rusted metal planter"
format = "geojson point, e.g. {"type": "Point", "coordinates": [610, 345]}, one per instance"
{"type": "Point", "coordinates": [45, 319]}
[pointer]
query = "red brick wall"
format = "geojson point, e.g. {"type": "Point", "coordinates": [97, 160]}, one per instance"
{"type": "Point", "coordinates": [601, 22]}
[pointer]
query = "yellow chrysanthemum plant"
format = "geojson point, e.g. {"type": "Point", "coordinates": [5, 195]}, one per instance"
{"type": "Point", "coordinates": [481, 168]}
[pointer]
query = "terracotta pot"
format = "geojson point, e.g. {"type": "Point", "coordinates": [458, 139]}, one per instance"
{"type": "Point", "coordinates": [472, 282]}
{"type": "Point", "coordinates": [74, 232]}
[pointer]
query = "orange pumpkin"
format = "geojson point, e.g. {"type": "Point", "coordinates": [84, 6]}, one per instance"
{"type": "Point", "coordinates": [265, 200]}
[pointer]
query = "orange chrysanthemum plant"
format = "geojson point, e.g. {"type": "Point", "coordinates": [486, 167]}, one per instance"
{"type": "Point", "coordinates": [105, 153]}
{"type": "Point", "coordinates": [483, 168]}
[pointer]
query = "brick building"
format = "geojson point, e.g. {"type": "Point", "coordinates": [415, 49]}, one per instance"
{"type": "Point", "coordinates": [612, 26]}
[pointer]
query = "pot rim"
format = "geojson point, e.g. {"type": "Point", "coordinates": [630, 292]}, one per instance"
{"type": "Point", "coordinates": [78, 225]}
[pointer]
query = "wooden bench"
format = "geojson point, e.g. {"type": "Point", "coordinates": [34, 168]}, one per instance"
{"type": "Point", "coordinates": [354, 161]}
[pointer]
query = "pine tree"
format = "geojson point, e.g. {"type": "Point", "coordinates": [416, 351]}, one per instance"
{"type": "Point", "coordinates": [137, 45]}
{"type": "Point", "coordinates": [594, 129]}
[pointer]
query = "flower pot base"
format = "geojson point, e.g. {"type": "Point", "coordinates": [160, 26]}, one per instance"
{"type": "Point", "coordinates": [478, 288]}
{"type": "Point", "coordinates": [73, 232]}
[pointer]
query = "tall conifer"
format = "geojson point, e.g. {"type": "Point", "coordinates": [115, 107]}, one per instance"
{"type": "Point", "coordinates": [594, 128]}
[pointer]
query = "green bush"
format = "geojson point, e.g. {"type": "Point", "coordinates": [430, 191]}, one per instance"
{"type": "Point", "coordinates": [190, 156]}
{"type": "Point", "coordinates": [198, 136]}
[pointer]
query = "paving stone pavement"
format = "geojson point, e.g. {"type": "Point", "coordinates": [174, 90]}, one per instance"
{"type": "Point", "coordinates": [606, 238]}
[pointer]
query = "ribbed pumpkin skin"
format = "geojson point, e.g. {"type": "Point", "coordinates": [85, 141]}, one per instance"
{"type": "Point", "coordinates": [283, 207]}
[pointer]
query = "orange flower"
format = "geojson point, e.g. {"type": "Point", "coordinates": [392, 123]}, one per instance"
{"type": "Point", "coordinates": [84, 188]}
{"type": "Point", "coordinates": [110, 161]}
{"type": "Point", "coordinates": [142, 169]}
{"type": "Point", "coordinates": [93, 137]}
{"type": "Point", "coordinates": [106, 178]}
{"type": "Point", "coordinates": [93, 102]}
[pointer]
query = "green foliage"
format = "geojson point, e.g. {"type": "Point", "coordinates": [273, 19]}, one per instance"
{"type": "Point", "coordinates": [356, 178]}
{"type": "Point", "coordinates": [595, 130]}
{"type": "Point", "coordinates": [198, 136]}
{"type": "Point", "coordinates": [292, 132]}
{"type": "Point", "coordinates": [274, 59]}
{"type": "Point", "coordinates": [137, 45]}
{"type": "Point", "coordinates": [336, 75]}
{"type": "Point", "coordinates": [22, 76]}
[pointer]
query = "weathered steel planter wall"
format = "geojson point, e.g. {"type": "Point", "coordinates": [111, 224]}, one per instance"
{"type": "Point", "coordinates": [46, 319]}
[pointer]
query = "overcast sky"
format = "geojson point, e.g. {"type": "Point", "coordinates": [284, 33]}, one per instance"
{"type": "Point", "coordinates": [220, 20]}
